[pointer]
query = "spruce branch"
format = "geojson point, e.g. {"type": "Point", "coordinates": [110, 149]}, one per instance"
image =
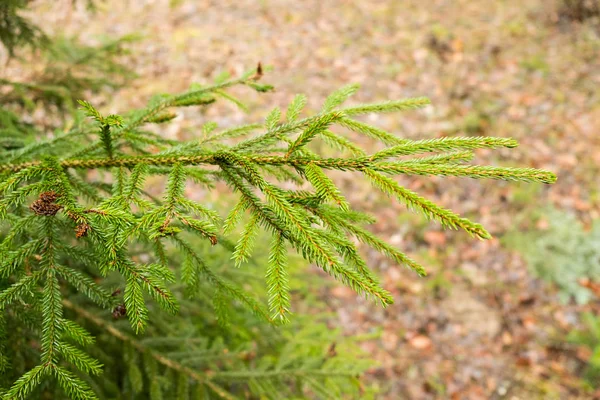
{"type": "Point", "coordinates": [199, 267]}
{"type": "Point", "coordinates": [412, 200]}
{"type": "Point", "coordinates": [447, 158]}
{"type": "Point", "coordinates": [324, 186]}
{"type": "Point", "coordinates": [443, 144]}
{"type": "Point", "coordinates": [234, 216]}
{"type": "Point", "coordinates": [246, 243]}
{"type": "Point", "coordinates": [85, 217]}
{"type": "Point", "coordinates": [143, 349]}
{"type": "Point", "coordinates": [347, 221]}
{"type": "Point", "coordinates": [311, 131]}
{"type": "Point", "coordinates": [339, 96]}
{"type": "Point", "coordinates": [371, 131]}
{"type": "Point", "coordinates": [28, 382]}
{"type": "Point", "coordinates": [277, 280]}
{"type": "Point", "coordinates": [25, 286]}
{"type": "Point", "coordinates": [388, 106]}
{"type": "Point", "coordinates": [272, 119]}
{"type": "Point", "coordinates": [105, 125]}
{"type": "Point", "coordinates": [472, 171]}
{"type": "Point", "coordinates": [295, 108]}
{"type": "Point", "coordinates": [304, 236]}
{"type": "Point", "coordinates": [73, 386]}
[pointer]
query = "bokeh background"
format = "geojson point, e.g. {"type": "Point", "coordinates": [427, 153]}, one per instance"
{"type": "Point", "coordinates": [512, 317]}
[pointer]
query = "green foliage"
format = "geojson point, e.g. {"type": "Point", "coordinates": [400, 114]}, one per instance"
{"type": "Point", "coordinates": [66, 69]}
{"type": "Point", "coordinates": [15, 133]}
{"type": "Point", "coordinates": [277, 280]}
{"type": "Point", "coordinates": [111, 228]}
{"type": "Point", "coordinates": [563, 254]}
{"type": "Point", "coordinates": [15, 30]}
{"type": "Point", "coordinates": [194, 353]}
{"type": "Point", "coordinates": [111, 289]}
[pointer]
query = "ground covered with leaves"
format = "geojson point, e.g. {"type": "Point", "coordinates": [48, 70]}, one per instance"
{"type": "Point", "coordinates": [481, 325]}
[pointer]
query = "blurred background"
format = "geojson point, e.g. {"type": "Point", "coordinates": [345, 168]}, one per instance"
{"type": "Point", "coordinates": [514, 317]}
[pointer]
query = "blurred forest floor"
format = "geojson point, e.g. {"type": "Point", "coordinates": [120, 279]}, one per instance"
{"type": "Point", "coordinates": [480, 325]}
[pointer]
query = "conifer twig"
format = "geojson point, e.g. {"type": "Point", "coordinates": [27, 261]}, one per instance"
{"type": "Point", "coordinates": [472, 171]}
{"type": "Point", "coordinates": [171, 364]}
{"type": "Point", "coordinates": [79, 211]}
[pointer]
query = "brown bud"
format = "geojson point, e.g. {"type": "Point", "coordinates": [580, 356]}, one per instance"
{"type": "Point", "coordinates": [119, 311]}
{"type": "Point", "coordinates": [331, 352]}
{"type": "Point", "coordinates": [259, 72]}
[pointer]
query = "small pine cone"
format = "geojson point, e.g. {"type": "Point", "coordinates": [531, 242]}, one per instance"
{"type": "Point", "coordinates": [45, 205]}
{"type": "Point", "coordinates": [119, 311]}
{"type": "Point", "coordinates": [82, 230]}
{"type": "Point", "coordinates": [49, 197]}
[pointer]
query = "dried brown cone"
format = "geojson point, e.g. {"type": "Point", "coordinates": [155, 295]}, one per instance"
{"type": "Point", "coordinates": [45, 205]}
{"type": "Point", "coordinates": [119, 311]}
{"type": "Point", "coordinates": [82, 230]}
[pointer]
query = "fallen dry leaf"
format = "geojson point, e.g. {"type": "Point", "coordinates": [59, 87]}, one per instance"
{"type": "Point", "coordinates": [420, 342]}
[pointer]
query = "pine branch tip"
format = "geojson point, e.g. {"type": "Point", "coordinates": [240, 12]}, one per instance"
{"type": "Point", "coordinates": [548, 177]}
